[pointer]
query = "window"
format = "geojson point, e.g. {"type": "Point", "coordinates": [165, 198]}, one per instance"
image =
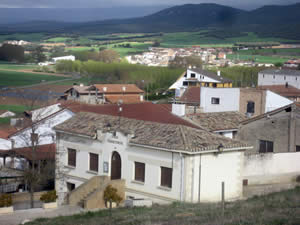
{"type": "Point", "coordinates": [71, 157]}
{"type": "Point", "coordinates": [265, 146]}
{"type": "Point", "coordinates": [215, 101]}
{"type": "Point", "coordinates": [273, 76]}
{"type": "Point", "coordinates": [297, 148]}
{"type": "Point", "coordinates": [185, 83]}
{"type": "Point", "coordinates": [185, 75]}
{"type": "Point", "coordinates": [250, 107]}
{"type": "Point", "coordinates": [70, 186]}
{"type": "Point", "coordinates": [166, 177]}
{"type": "Point", "coordinates": [215, 85]}
{"type": "Point", "coordinates": [139, 174]}
{"type": "Point", "coordinates": [284, 77]}
{"type": "Point", "coordinates": [94, 162]}
{"type": "Point", "coordinates": [193, 75]}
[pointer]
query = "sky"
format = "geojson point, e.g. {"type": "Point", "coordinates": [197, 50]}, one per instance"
{"type": "Point", "coordinates": [244, 4]}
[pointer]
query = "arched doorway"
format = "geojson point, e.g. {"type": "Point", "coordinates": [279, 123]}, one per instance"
{"type": "Point", "coordinates": [115, 166]}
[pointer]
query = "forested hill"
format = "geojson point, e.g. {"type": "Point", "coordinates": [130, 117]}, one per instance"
{"type": "Point", "coordinates": [189, 17]}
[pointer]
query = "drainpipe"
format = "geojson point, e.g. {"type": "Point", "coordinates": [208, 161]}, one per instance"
{"type": "Point", "coordinates": [181, 176]}
{"type": "Point", "coordinates": [199, 188]}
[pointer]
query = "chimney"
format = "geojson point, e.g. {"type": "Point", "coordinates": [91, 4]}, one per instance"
{"type": "Point", "coordinates": [219, 73]}
{"type": "Point", "coordinates": [178, 109]}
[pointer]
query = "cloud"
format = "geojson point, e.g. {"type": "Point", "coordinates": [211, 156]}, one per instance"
{"type": "Point", "coordinates": [120, 3]}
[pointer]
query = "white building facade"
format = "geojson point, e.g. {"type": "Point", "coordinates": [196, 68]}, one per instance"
{"type": "Point", "coordinates": [170, 173]}
{"type": "Point", "coordinates": [279, 77]}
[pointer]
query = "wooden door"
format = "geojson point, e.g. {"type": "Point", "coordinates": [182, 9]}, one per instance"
{"type": "Point", "coordinates": [115, 166]}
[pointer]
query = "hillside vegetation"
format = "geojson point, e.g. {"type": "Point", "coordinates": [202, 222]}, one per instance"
{"type": "Point", "coordinates": [274, 209]}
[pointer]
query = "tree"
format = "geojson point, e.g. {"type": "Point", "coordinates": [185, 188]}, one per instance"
{"type": "Point", "coordinates": [109, 56]}
{"type": "Point", "coordinates": [156, 43]}
{"type": "Point", "coordinates": [38, 54]}
{"type": "Point", "coordinates": [278, 64]}
{"type": "Point", "coordinates": [10, 52]}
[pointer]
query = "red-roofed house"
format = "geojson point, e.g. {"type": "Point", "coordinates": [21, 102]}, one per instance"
{"type": "Point", "coordinates": [106, 93]}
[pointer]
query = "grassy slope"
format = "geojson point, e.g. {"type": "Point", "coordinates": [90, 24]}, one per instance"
{"type": "Point", "coordinates": [259, 58]}
{"type": "Point", "coordinates": [11, 78]}
{"type": "Point", "coordinates": [274, 209]}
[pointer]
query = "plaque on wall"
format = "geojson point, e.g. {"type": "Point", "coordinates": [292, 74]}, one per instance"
{"type": "Point", "coordinates": [105, 167]}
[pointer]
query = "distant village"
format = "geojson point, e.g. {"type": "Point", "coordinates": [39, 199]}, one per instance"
{"type": "Point", "coordinates": [209, 140]}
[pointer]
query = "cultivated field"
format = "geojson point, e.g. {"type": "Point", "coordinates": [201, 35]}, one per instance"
{"type": "Point", "coordinates": [14, 78]}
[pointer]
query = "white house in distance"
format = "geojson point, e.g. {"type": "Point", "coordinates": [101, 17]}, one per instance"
{"type": "Point", "coordinates": [6, 113]}
{"type": "Point", "coordinates": [279, 77]}
{"type": "Point", "coordinates": [161, 162]}
{"type": "Point", "coordinates": [248, 101]}
{"type": "Point", "coordinates": [68, 57]}
{"type": "Point", "coordinates": [195, 77]}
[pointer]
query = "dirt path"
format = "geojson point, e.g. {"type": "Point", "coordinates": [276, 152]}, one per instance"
{"type": "Point", "coordinates": [42, 73]}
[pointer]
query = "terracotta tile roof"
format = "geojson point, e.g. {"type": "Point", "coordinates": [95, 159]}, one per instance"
{"type": "Point", "coordinates": [4, 133]}
{"type": "Point", "coordinates": [140, 111]}
{"type": "Point", "coordinates": [191, 95]}
{"type": "Point", "coordinates": [42, 152]}
{"type": "Point", "coordinates": [126, 99]}
{"type": "Point", "coordinates": [218, 121]}
{"type": "Point", "coordinates": [283, 90]}
{"type": "Point", "coordinates": [80, 89]}
{"type": "Point", "coordinates": [118, 88]}
{"type": "Point", "coordinates": [166, 136]}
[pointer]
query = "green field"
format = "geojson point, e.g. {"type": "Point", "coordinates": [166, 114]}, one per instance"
{"type": "Point", "coordinates": [186, 39]}
{"type": "Point", "coordinates": [13, 66]}
{"type": "Point", "coordinates": [11, 78]}
{"type": "Point", "coordinates": [31, 37]}
{"type": "Point", "coordinates": [258, 58]}
{"type": "Point", "coordinates": [57, 39]}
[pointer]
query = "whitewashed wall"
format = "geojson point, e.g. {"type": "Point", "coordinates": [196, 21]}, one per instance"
{"type": "Point", "coordinates": [185, 180]}
{"type": "Point", "coordinates": [44, 129]}
{"type": "Point", "coordinates": [215, 169]}
{"type": "Point", "coordinates": [229, 99]}
{"type": "Point", "coordinates": [275, 101]}
{"type": "Point", "coordinates": [153, 160]}
{"type": "Point", "coordinates": [269, 79]}
{"type": "Point", "coordinates": [271, 168]}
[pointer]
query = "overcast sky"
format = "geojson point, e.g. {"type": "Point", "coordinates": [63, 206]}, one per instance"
{"type": "Point", "coordinates": [245, 4]}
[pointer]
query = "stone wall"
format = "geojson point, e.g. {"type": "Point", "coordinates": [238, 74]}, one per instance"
{"type": "Point", "coordinates": [256, 96]}
{"type": "Point", "coordinates": [282, 129]}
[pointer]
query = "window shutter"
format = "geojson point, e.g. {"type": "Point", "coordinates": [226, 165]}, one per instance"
{"type": "Point", "coordinates": [94, 159]}
{"type": "Point", "coordinates": [71, 157]}
{"type": "Point", "coordinates": [166, 177]}
{"type": "Point", "coordinates": [139, 171]}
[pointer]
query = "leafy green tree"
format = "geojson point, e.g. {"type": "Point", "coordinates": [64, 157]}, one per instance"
{"type": "Point", "coordinates": [109, 56]}
{"type": "Point", "coordinates": [278, 64]}
{"type": "Point", "coordinates": [10, 52]}
{"type": "Point", "coordinates": [38, 54]}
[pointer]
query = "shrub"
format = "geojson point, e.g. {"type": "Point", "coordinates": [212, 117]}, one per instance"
{"type": "Point", "coordinates": [49, 196]}
{"type": "Point", "coordinates": [5, 200]}
{"type": "Point", "coordinates": [110, 194]}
